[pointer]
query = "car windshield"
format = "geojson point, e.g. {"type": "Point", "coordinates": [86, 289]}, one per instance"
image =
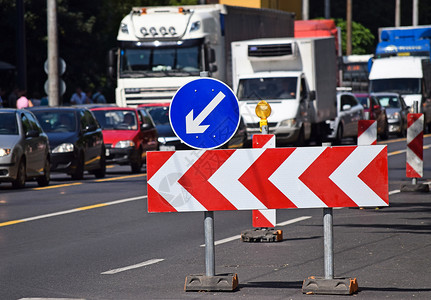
{"type": "Point", "coordinates": [8, 124]}
{"type": "Point", "coordinates": [364, 101]}
{"type": "Point", "coordinates": [56, 121]}
{"type": "Point", "coordinates": [389, 101]}
{"type": "Point", "coordinates": [160, 114]}
{"type": "Point", "coordinates": [116, 119]}
{"type": "Point", "coordinates": [267, 88]}
{"type": "Point", "coordinates": [396, 85]}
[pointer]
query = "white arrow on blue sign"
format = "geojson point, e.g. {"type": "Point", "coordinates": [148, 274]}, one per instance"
{"type": "Point", "coordinates": [204, 113]}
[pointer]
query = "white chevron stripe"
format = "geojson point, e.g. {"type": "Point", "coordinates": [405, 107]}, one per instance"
{"type": "Point", "coordinates": [346, 176]}
{"type": "Point", "coordinates": [415, 129]}
{"type": "Point", "coordinates": [225, 179]}
{"type": "Point", "coordinates": [270, 215]}
{"type": "Point", "coordinates": [415, 162]}
{"type": "Point", "coordinates": [285, 178]}
{"type": "Point", "coordinates": [369, 136]}
{"type": "Point", "coordinates": [165, 181]}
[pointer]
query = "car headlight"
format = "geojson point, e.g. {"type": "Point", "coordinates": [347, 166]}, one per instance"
{"type": "Point", "coordinates": [63, 148]}
{"type": "Point", "coordinates": [161, 139]}
{"type": "Point", "coordinates": [288, 123]}
{"type": "Point", "coordinates": [4, 152]}
{"type": "Point", "coordinates": [125, 144]}
{"type": "Point", "coordinates": [394, 116]}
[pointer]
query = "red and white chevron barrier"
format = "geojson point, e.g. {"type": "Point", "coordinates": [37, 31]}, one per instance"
{"type": "Point", "coordinates": [415, 140]}
{"type": "Point", "coordinates": [248, 179]}
{"type": "Point", "coordinates": [264, 217]}
{"type": "Point", "coordinates": [367, 132]}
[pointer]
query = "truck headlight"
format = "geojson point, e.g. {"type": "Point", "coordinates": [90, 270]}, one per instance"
{"type": "Point", "coordinates": [63, 148]}
{"type": "Point", "coordinates": [288, 123]}
{"type": "Point", "coordinates": [125, 144]}
{"type": "Point", "coordinates": [4, 152]}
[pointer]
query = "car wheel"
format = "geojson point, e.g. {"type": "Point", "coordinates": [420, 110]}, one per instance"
{"type": "Point", "coordinates": [300, 142]}
{"type": "Point", "coordinates": [78, 172]}
{"type": "Point", "coordinates": [339, 135]}
{"type": "Point", "coordinates": [19, 182]}
{"type": "Point", "coordinates": [101, 172]}
{"type": "Point", "coordinates": [136, 162]}
{"type": "Point", "coordinates": [44, 179]}
{"type": "Point", "coordinates": [384, 135]}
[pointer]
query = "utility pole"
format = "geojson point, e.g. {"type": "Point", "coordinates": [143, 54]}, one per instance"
{"type": "Point", "coordinates": [53, 79]}
{"type": "Point", "coordinates": [305, 9]}
{"type": "Point", "coordinates": [415, 12]}
{"type": "Point", "coordinates": [21, 46]}
{"type": "Point", "coordinates": [349, 28]}
{"type": "Point", "coordinates": [397, 13]}
{"type": "Point", "coordinates": [327, 9]}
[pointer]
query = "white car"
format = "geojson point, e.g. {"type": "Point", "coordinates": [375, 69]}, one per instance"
{"type": "Point", "coordinates": [349, 112]}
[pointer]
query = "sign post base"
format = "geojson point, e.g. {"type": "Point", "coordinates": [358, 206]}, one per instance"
{"type": "Point", "coordinates": [262, 235]}
{"type": "Point", "coordinates": [222, 282]}
{"type": "Point", "coordinates": [335, 286]}
{"type": "Point", "coordinates": [420, 187]}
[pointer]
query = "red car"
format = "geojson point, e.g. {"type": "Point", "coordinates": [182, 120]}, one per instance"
{"type": "Point", "coordinates": [376, 112]}
{"type": "Point", "coordinates": [127, 134]}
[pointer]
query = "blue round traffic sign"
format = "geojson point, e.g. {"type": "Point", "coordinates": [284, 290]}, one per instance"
{"type": "Point", "coordinates": [204, 113]}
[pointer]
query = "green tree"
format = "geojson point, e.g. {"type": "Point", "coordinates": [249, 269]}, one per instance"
{"type": "Point", "coordinates": [362, 38]}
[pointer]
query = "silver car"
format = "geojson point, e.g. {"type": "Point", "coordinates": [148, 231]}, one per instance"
{"type": "Point", "coordinates": [396, 112]}
{"type": "Point", "coordinates": [24, 149]}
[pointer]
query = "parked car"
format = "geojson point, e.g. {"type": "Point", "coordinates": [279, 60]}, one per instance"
{"type": "Point", "coordinates": [128, 135]}
{"type": "Point", "coordinates": [75, 139]}
{"type": "Point", "coordinates": [375, 111]}
{"type": "Point", "coordinates": [349, 112]}
{"type": "Point", "coordinates": [168, 141]}
{"type": "Point", "coordinates": [396, 112]}
{"type": "Point", "coordinates": [24, 149]}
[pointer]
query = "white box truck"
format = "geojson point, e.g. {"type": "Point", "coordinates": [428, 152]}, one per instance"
{"type": "Point", "coordinates": [162, 48]}
{"type": "Point", "coordinates": [296, 76]}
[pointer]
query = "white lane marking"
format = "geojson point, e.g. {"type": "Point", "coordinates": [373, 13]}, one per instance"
{"type": "Point", "coordinates": [294, 220]}
{"type": "Point", "coordinates": [394, 192]}
{"type": "Point", "coordinates": [237, 237]}
{"type": "Point", "coordinates": [51, 299]}
{"type": "Point", "coordinates": [140, 265]}
{"type": "Point", "coordinates": [65, 212]}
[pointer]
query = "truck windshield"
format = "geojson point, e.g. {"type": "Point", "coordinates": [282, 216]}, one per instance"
{"type": "Point", "coordinates": [397, 85]}
{"type": "Point", "coordinates": [267, 88]}
{"type": "Point", "coordinates": [160, 61]}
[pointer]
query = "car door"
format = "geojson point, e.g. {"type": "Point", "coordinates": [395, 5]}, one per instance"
{"type": "Point", "coordinates": [149, 132]}
{"type": "Point", "coordinates": [92, 139]}
{"type": "Point", "coordinates": [31, 141]}
{"type": "Point", "coordinates": [345, 115]}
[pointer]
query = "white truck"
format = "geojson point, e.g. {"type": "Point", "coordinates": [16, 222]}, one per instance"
{"type": "Point", "coordinates": [162, 48]}
{"type": "Point", "coordinates": [296, 76]}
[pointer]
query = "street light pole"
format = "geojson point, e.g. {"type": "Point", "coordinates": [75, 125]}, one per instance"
{"type": "Point", "coordinates": [53, 79]}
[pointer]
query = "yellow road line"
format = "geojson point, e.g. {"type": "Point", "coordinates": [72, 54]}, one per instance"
{"type": "Point", "coordinates": [56, 186]}
{"type": "Point", "coordinates": [74, 210]}
{"type": "Point", "coordinates": [121, 177]}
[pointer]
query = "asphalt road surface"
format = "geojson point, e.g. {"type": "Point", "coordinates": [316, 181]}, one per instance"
{"type": "Point", "coordinates": [93, 239]}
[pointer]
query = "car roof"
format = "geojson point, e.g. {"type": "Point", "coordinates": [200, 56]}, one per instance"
{"type": "Point", "coordinates": [54, 108]}
{"type": "Point", "coordinates": [154, 104]}
{"type": "Point", "coordinates": [385, 94]}
{"type": "Point", "coordinates": [113, 108]}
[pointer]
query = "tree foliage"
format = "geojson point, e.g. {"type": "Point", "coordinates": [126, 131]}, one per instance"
{"type": "Point", "coordinates": [362, 38]}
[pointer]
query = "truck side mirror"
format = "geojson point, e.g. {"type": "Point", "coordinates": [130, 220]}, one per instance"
{"type": "Point", "coordinates": [112, 55]}
{"type": "Point", "coordinates": [312, 95]}
{"type": "Point", "coordinates": [210, 54]}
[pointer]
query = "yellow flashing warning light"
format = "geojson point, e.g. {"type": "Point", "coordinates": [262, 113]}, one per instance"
{"type": "Point", "coordinates": [263, 111]}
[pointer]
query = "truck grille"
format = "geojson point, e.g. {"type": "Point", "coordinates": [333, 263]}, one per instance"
{"type": "Point", "coordinates": [136, 96]}
{"type": "Point", "coordinates": [269, 50]}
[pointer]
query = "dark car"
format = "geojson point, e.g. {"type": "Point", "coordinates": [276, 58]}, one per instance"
{"type": "Point", "coordinates": [396, 112]}
{"type": "Point", "coordinates": [128, 135]}
{"type": "Point", "coordinates": [168, 141]}
{"type": "Point", "coordinates": [24, 149]}
{"type": "Point", "coordinates": [375, 111]}
{"type": "Point", "coordinates": [75, 139]}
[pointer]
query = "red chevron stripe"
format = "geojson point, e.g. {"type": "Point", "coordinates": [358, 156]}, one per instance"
{"type": "Point", "coordinates": [158, 159]}
{"type": "Point", "coordinates": [260, 140]}
{"type": "Point", "coordinates": [416, 145]}
{"type": "Point", "coordinates": [411, 173]}
{"type": "Point", "coordinates": [316, 177]}
{"type": "Point", "coordinates": [375, 175]}
{"type": "Point", "coordinates": [363, 125]}
{"type": "Point", "coordinates": [157, 203]}
{"type": "Point", "coordinates": [195, 180]}
{"type": "Point", "coordinates": [259, 220]}
{"type": "Point", "coordinates": [255, 179]}
{"type": "Point", "coordinates": [411, 118]}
